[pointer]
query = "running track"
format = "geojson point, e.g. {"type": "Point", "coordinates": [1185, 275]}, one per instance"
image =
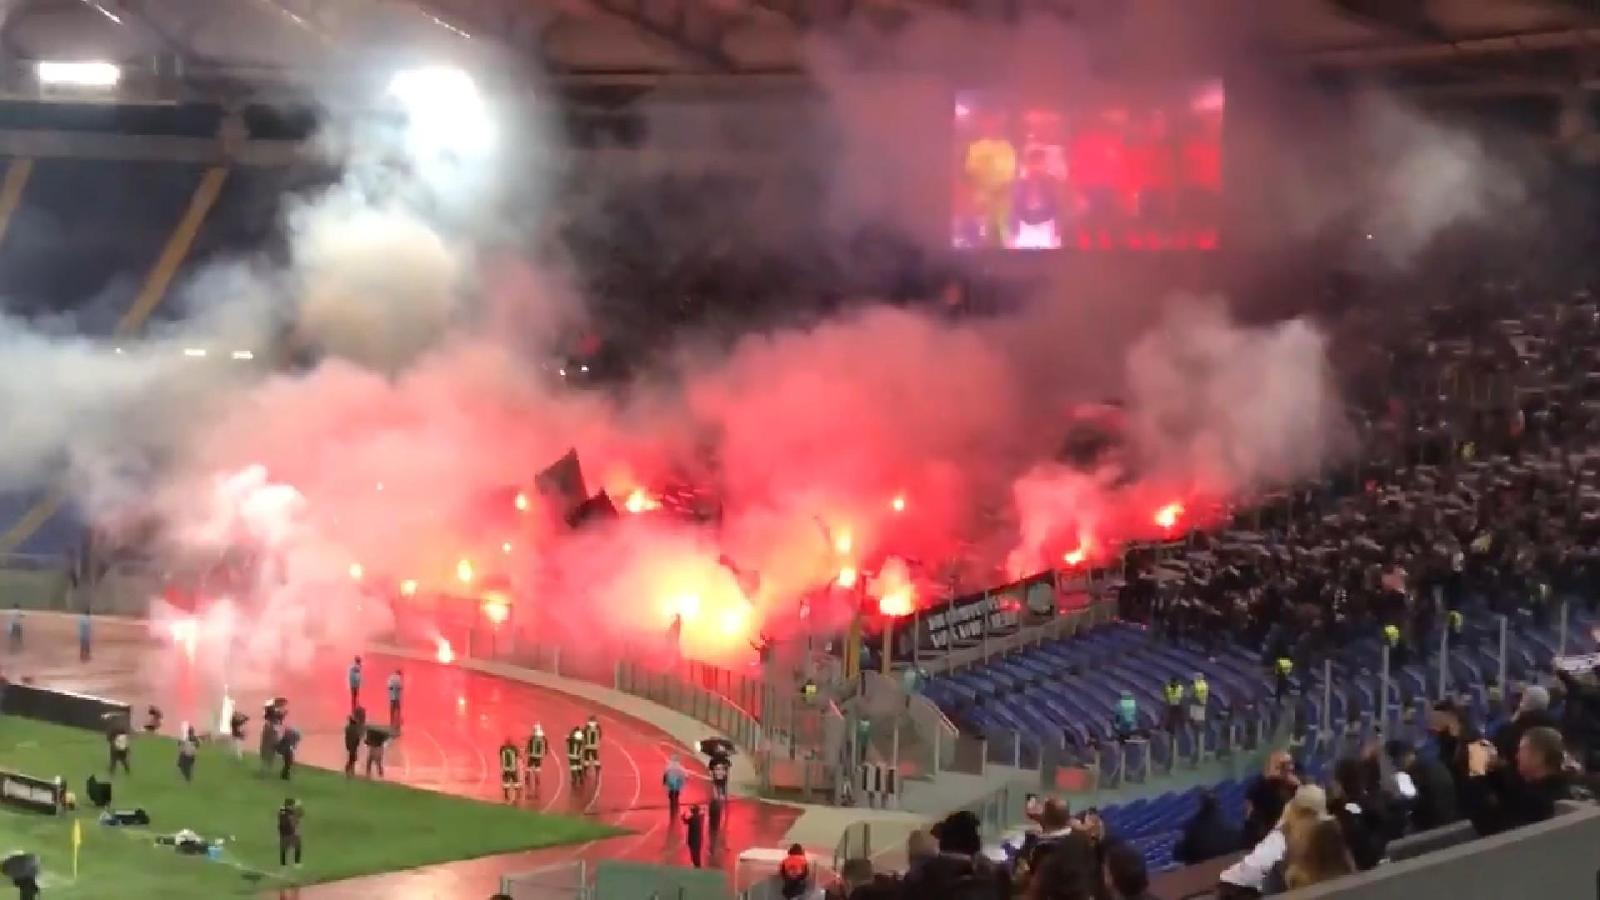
{"type": "Point", "coordinates": [454, 721]}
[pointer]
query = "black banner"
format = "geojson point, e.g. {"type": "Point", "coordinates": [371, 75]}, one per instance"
{"type": "Point", "coordinates": [64, 708]}
{"type": "Point", "coordinates": [36, 794]}
{"type": "Point", "coordinates": [969, 620]}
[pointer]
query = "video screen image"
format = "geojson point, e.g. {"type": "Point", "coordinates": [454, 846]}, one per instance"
{"type": "Point", "coordinates": [1105, 176]}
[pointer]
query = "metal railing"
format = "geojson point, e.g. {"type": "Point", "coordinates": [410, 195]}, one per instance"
{"type": "Point", "coordinates": [35, 562]}
{"type": "Point", "coordinates": [702, 704]}
{"type": "Point", "coordinates": [564, 881]}
{"type": "Point", "coordinates": [778, 729]}
{"type": "Point", "coordinates": [1108, 764]}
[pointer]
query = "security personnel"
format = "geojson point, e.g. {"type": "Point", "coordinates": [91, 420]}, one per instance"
{"type": "Point", "coordinates": [1174, 696]}
{"type": "Point", "coordinates": [510, 781]}
{"type": "Point", "coordinates": [1200, 692]}
{"type": "Point", "coordinates": [575, 756]}
{"type": "Point", "coordinates": [1398, 657]}
{"type": "Point", "coordinates": [537, 746]}
{"type": "Point", "coordinates": [1457, 624]}
{"type": "Point", "coordinates": [1285, 666]}
{"type": "Point", "coordinates": [591, 746]}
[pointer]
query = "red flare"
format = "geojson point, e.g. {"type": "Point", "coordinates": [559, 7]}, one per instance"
{"type": "Point", "coordinates": [496, 609]}
{"type": "Point", "coordinates": [897, 603]}
{"type": "Point", "coordinates": [1167, 516]}
{"type": "Point", "coordinates": [847, 577]}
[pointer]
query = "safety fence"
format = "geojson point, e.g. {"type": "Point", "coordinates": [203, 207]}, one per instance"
{"type": "Point", "coordinates": [565, 881]}
{"type": "Point", "coordinates": [616, 880]}
{"type": "Point", "coordinates": [791, 739]}
{"type": "Point", "coordinates": [702, 704]}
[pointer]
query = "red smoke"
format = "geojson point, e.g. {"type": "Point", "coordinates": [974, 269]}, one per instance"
{"type": "Point", "coordinates": [875, 452]}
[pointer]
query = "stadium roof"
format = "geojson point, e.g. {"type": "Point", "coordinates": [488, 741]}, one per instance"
{"type": "Point", "coordinates": [1514, 45]}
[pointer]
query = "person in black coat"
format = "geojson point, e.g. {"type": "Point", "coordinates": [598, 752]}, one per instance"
{"type": "Point", "coordinates": [353, 733]}
{"type": "Point", "coordinates": [1208, 835]}
{"type": "Point", "coordinates": [694, 822]}
{"type": "Point", "coordinates": [1453, 732]}
{"type": "Point", "coordinates": [1501, 796]}
{"type": "Point", "coordinates": [1434, 805]}
{"type": "Point", "coordinates": [1580, 718]}
{"type": "Point", "coordinates": [1361, 811]}
{"type": "Point", "coordinates": [1267, 797]}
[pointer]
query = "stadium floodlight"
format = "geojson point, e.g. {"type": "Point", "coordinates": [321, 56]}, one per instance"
{"type": "Point", "coordinates": [445, 111]}
{"type": "Point", "coordinates": [84, 74]}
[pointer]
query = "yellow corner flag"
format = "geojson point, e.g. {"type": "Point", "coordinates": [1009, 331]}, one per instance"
{"type": "Point", "coordinates": [77, 841]}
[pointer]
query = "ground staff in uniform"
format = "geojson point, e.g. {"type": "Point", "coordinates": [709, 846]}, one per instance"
{"type": "Point", "coordinates": [591, 746]}
{"type": "Point", "coordinates": [509, 770]}
{"type": "Point", "coordinates": [537, 747]}
{"type": "Point", "coordinates": [575, 756]}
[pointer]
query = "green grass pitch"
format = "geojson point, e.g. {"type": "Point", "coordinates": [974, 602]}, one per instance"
{"type": "Point", "coordinates": [352, 826]}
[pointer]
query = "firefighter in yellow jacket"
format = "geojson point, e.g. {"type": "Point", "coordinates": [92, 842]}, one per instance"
{"type": "Point", "coordinates": [591, 747]}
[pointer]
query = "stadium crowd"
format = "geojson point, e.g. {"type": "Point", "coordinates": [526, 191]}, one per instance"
{"type": "Point", "coordinates": [1475, 494]}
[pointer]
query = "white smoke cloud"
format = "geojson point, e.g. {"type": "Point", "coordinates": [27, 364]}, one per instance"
{"type": "Point", "coordinates": [1231, 406]}
{"type": "Point", "coordinates": [377, 284]}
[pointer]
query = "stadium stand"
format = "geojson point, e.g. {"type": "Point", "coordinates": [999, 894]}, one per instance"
{"type": "Point", "coordinates": [1441, 539]}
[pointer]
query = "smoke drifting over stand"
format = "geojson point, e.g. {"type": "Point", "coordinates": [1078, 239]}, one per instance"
{"type": "Point", "coordinates": [892, 448]}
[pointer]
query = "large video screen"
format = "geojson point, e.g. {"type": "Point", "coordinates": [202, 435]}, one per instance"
{"type": "Point", "coordinates": [1035, 175]}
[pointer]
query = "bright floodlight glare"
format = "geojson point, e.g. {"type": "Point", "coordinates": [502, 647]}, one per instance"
{"type": "Point", "coordinates": [446, 112]}
{"type": "Point", "coordinates": [80, 74]}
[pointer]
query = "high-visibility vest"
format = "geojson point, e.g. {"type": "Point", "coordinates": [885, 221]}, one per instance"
{"type": "Point", "coordinates": [1285, 665]}
{"type": "Point", "coordinates": [1391, 634]}
{"type": "Point", "coordinates": [1456, 621]}
{"type": "Point", "coordinates": [536, 746]}
{"type": "Point", "coordinates": [508, 758]}
{"type": "Point", "coordinates": [794, 867]}
{"type": "Point", "coordinates": [1202, 691]}
{"type": "Point", "coordinates": [1174, 694]}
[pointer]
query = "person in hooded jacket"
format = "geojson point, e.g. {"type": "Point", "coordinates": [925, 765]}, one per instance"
{"type": "Point", "coordinates": [960, 871]}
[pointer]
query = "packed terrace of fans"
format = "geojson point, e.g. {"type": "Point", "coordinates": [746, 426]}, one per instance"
{"type": "Point", "coordinates": [1468, 518]}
